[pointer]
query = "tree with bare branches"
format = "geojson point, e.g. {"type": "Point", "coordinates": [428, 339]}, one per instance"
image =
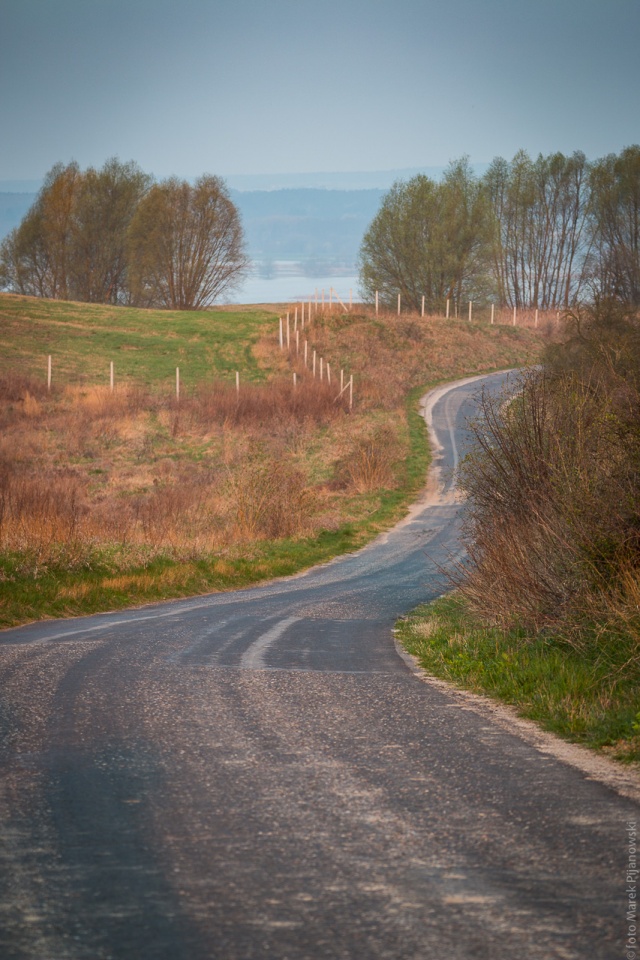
{"type": "Point", "coordinates": [186, 245]}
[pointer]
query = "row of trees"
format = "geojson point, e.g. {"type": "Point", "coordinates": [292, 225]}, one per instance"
{"type": "Point", "coordinates": [115, 236]}
{"type": "Point", "coordinates": [529, 233]}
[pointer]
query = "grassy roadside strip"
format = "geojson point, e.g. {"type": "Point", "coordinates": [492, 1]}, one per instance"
{"type": "Point", "coordinates": [583, 696]}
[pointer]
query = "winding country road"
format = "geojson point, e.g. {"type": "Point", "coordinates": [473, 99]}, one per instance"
{"type": "Point", "coordinates": [260, 775]}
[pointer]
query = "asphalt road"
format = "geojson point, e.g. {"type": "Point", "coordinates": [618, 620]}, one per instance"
{"type": "Point", "coordinates": [260, 775]}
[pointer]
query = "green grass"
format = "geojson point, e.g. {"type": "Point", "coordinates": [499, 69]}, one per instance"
{"type": "Point", "coordinates": [63, 592]}
{"type": "Point", "coordinates": [146, 346]}
{"type": "Point", "coordinates": [588, 696]}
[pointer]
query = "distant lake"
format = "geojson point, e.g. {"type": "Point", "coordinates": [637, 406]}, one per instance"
{"type": "Point", "coordinates": [288, 285]}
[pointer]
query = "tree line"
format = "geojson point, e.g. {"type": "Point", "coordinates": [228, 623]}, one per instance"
{"type": "Point", "coordinates": [544, 233]}
{"type": "Point", "coordinates": [116, 236]}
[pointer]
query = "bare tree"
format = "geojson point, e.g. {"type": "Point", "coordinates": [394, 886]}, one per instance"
{"type": "Point", "coordinates": [541, 237]}
{"type": "Point", "coordinates": [186, 245]}
{"type": "Point", "coordinates": [616, 225]}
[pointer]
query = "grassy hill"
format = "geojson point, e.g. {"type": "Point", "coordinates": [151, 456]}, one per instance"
{"type": "Point", "coordinates": [145, 345]}
{"type": "Point", "coordinates": [115, 498]}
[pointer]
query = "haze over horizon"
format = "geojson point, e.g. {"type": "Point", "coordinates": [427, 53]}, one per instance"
{"type": "Point", "coordinates": [291, 89]}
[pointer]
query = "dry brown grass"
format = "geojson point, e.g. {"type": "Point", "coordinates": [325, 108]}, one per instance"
{"type": "Point", "coordinates": [553, 518]}
{"type": "Point", "coordinates": [132, 473]}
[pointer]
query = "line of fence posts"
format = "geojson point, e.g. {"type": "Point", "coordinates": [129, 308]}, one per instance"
{"type": "Point", "coordinates": [318, 363]}
{"type": "Point", "coordinates": [281, 334]}
{"type": "Point", "coordinates": [447, 309]}
{"type": "Point", "coordinates": [112, 377]}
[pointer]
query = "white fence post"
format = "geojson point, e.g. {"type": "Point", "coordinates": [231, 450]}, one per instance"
{"type": "Point", "coordinates": [376, 303]}
{"type": "Point", "coordinates": [447, 313]}
{"type": "Point", "coordinates": [422, 313]}
{"type": "Point", "coordinates": [177, 383]}
{"type": "Point", "coordinates": [493, 307]}
{"type": "Point", "coordinates": [111, 375]}
{"type": "Point", "coordinates": [514, 316]}
{"type": "Point", "coordinates": [49, 374]}
{"type": "Point", "coordinates": [470, 305]}
{"type": "Point", "coordinates": [398, 304]}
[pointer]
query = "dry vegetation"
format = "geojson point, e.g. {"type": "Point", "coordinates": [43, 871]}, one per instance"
{"type": "Point", "coordinates": [94, 480]}
{"type": "Point", "coordinates": [554, 514]}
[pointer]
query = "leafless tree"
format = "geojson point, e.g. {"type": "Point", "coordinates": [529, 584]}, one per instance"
{"type": "Point", "coordinates": [186, 245]}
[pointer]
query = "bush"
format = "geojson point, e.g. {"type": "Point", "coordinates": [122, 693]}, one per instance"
{"type": "Point", "coordinates": [553, 518]}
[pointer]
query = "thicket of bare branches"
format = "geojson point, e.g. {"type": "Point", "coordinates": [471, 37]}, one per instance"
{"type": "Point", "coordinates": [553, 515]}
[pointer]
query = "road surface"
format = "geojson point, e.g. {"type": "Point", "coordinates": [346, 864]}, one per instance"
{"type": "Point", "coordinates": [260, 775]}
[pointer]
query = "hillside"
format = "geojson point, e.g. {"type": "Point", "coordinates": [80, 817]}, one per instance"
{"type": "Point", "coordinates": [115, 497]}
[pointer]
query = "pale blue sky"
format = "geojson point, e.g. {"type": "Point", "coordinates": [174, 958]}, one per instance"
{"type": "Point", "coordinates": [273, 86]}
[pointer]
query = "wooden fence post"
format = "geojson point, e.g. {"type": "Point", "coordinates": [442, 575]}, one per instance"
{"type": "Point", "coordinates": [295, 380]}
{"type": "Point", "coordinates": [178, 384]}
{"type": "Point", "coordinates": [470, 306]}
{"type": "Point", "coordinates": [514, 316]}
{"type": "Point", "coordinates": [447, 313]}
{"type": "Point", "coordinates": [536, 323]}
{"type": "Point", "coordinates": [376, 303]}
{"type": "Point", "coordinates": [49, 374]}
{"type": "Point", "coordinates": [422, 312]}
{"type": "Point", "coordinates": [328, 373]}
{"type": "Point", "coordinates": [398, 304]}
{"type": "Point", "coordinates": [111, 375]}
{"type": "Point", "coordinates": [493, 307]}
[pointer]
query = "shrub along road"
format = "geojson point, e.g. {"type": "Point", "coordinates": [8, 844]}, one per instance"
{"type": "Point", "coordinates": [259, 774]}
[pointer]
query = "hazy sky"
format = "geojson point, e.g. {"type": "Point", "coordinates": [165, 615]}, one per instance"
{"type": "Point", "coordinates": [253, 86]}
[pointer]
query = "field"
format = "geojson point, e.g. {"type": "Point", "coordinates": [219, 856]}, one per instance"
{"type": "Point", "coordinates": [115, 497]}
